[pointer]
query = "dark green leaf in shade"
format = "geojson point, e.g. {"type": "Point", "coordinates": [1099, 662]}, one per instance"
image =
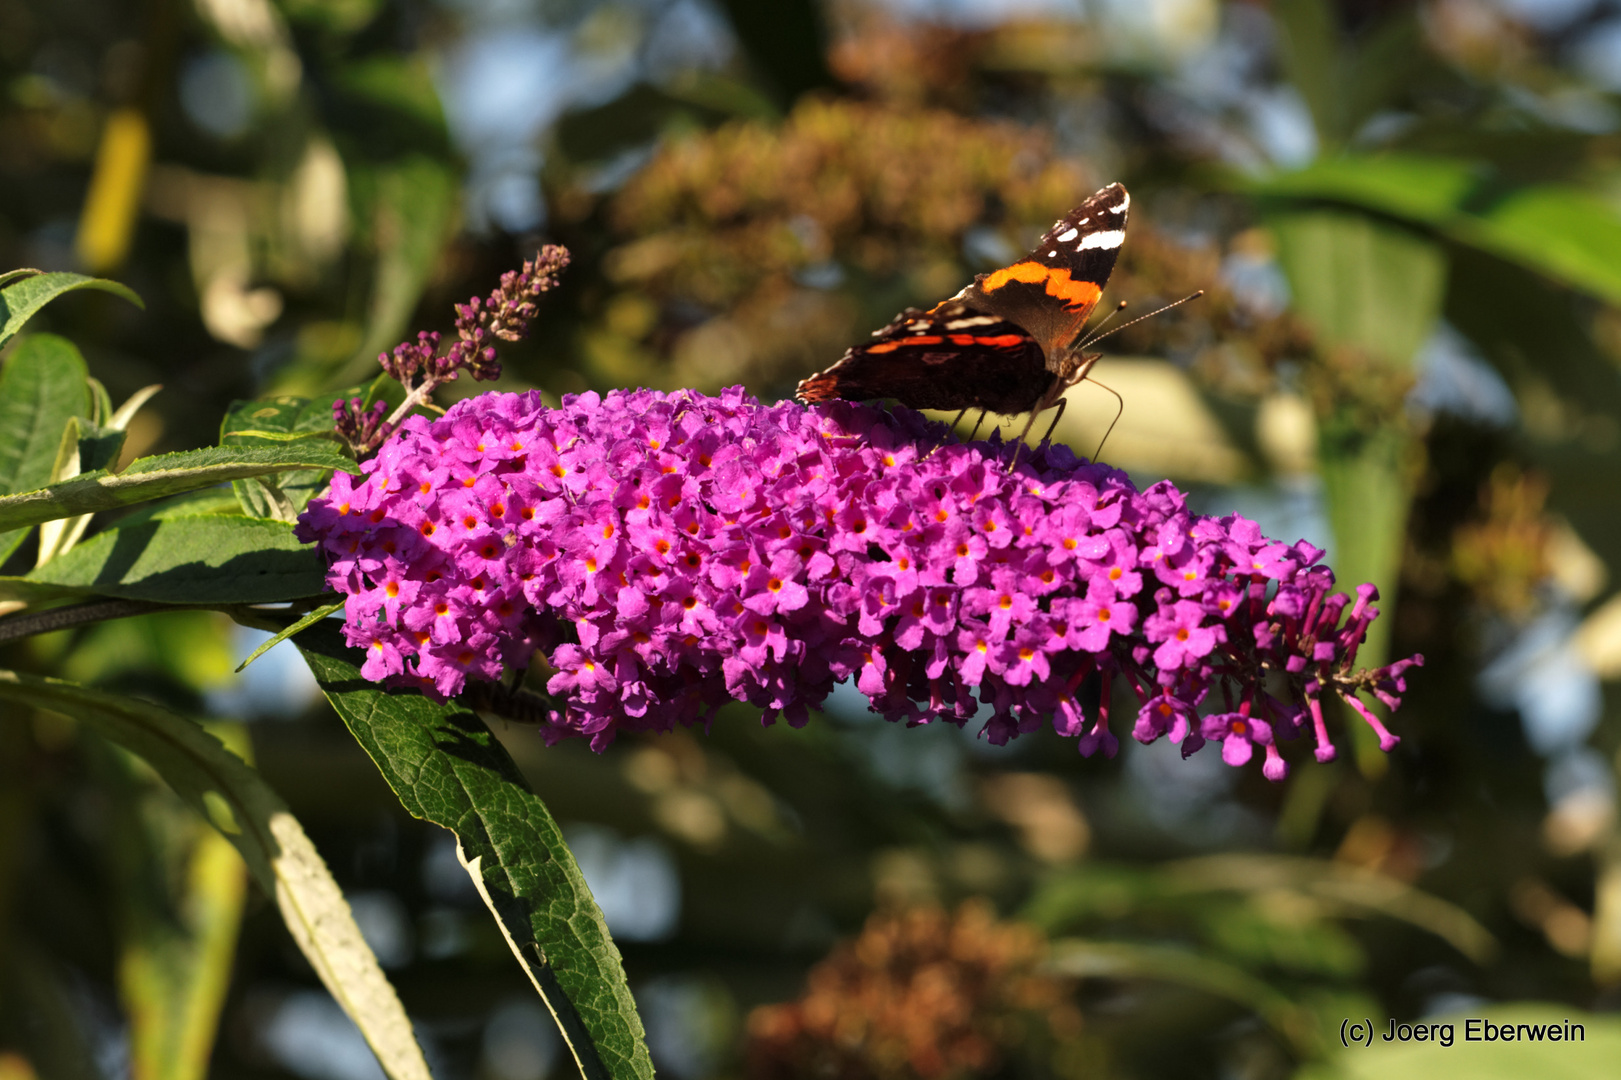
{"type": "Point", "coordinates": [192, 560]}
{"type": "Point", "coordinates": [166, 474]}
{"type": "Point", "coordinates": [23, 297]}
{"type": "Point", "coordinates": [447, 767]}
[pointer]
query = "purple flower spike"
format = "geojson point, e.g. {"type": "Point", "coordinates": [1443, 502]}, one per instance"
{"type": "Point", "coordinates": [671, 553]}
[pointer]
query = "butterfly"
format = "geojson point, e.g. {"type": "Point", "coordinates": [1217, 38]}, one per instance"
{"type": "Point", "coordinates": [1007, 343]}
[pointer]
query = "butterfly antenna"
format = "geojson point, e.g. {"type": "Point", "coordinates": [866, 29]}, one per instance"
{"type": "Point", "coordinates": [1094, 338]}
{"type": "Point", "coordinates": [1117, 414]}
{"type": "Point", "coordinates": [1092, 335]}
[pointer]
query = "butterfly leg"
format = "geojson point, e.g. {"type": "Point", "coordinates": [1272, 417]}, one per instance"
{"type": "Point", "coordinates": [977, 424]}
{"type": "Point", "coordinates": [955, 420]}
{"type": "Point", "coordinates": [1054, 425]}
{"type": "Point", "coordinates": [1019, 443]}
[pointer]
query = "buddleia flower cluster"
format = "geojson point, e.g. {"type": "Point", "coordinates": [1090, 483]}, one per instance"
{"type": "Point", "coordinates": [668, 554]}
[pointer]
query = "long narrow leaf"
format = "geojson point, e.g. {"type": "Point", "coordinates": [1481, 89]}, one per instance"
{"type": "Point", "coordinates": [178, 927]}
{"type": "Point", "coordinates": [280, 636]}
{"type": "Point", "coordinates": [1364, 891]}
{"type": "Point", "coordinates": [281, 858]}
{"type": "Point", "coordinates": [164, 475]}
{"type": "Point", "coordinates": [447, 767]}
{"type": "Point", "coordinates": [1118, 960]}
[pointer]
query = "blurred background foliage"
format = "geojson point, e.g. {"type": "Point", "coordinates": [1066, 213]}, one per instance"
{"type": "Point", "coordinates": [1407, 220]}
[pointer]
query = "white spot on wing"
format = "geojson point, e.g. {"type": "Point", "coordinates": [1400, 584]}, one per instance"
{"type": "Point", "coordinates": [1105, 240]}
{"type": "Point", "coordinates": [976, 320]}
{"type": "Point", "coordinates": [1125, 201]}
{"type": "Point", "coordinates": [1068, 236]}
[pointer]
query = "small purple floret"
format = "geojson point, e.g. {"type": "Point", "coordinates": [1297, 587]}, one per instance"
{"type": "Point", "coordinates": [672, 553]}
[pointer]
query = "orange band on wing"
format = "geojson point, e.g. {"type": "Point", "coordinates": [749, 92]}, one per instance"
{"type": "Point", "coordinates": [1000, 341]}
{"type": "Point", "coordinates": [1075, 294]}
{"type": "Point", "coordinates": [891, 346]}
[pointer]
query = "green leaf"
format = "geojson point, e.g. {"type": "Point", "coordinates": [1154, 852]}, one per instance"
{"type": "Point", "coordinates": [20, 300]}
{"type": "Point", "coordinates": [21, 590]}
{"type": "Point", "coordinates": [1349, 888]}
{"type": "Point", "coordinates": [1368, 482]}
{"type": "Point", "coordinates": [1423, 189]}
{"type": "Point", "coordinates": [1182, 967]}
{"type": "Point", "coordinates": [167, 474]}
{"type": "Point", "coordinates": [1360, 281]}
{"type": "Point", "coordinates": [1560, 231]}
{"type": "Point", "coordinates": [237, 801]}
{"type": "Point", "coordinates": [399, 84]}
{"type": "Point", "coordinates": [209, 502]}
{"type": "Point", "coordinates": [280, 636]}
{"type": "Point", "coordinates": [1378, 287]}
{"type": "Point", "coordinates": [85, 448]}
{"type": "Point", "coordinates": [192, 560]}
{"type": "Point", "coordinates": [277, 421]}
{"type": "Point", "coordinates": [42, 387]}
{"type": "Point", "coordinates": [179, 887]}
{"type": "Point", "coordinates": [1312, 59]}
{"type": "Point", "coordinates": [416, 200]}
{"type": "Point", "coordinates": [447, 767]}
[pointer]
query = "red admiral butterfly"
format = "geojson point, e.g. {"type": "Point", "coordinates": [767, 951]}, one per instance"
{"type": "Point", "coordinates": [1008, 342]}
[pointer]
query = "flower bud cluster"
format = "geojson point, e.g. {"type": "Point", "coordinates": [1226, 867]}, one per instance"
{"type": "Point", "coordinates": [671, 553]}
{"type": "Point", "coordinates": [362, 428]}
{"type": "Point", "coordinates": [504, 314]}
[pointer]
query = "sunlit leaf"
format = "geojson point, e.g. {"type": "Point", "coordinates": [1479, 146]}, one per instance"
{"type": "Point", "coordinates": [180, 892]}
{"type": "Point", "coordinates": [42, 387]}
{"type": "Point", "coordinates": [21, 299]}
{"type": "Point", "coordinates": [1559, 230]}
{"type": "Point", "coordinates": [167, 474]}
{"type": "Point", "coordinates": [278, 421]}
{"type": "Point", "coordinates": [237, 801]}
{"type": "Point", "coordinates": [192, 560]}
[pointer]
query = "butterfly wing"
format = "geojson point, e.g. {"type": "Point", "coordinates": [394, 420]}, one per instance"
{"type": "Point", "coordinates": [1003, 342]}
{"type": "Point", "coordinates": [1052, 291]}
{"type": "Point", "coordinates": [951, 357]}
